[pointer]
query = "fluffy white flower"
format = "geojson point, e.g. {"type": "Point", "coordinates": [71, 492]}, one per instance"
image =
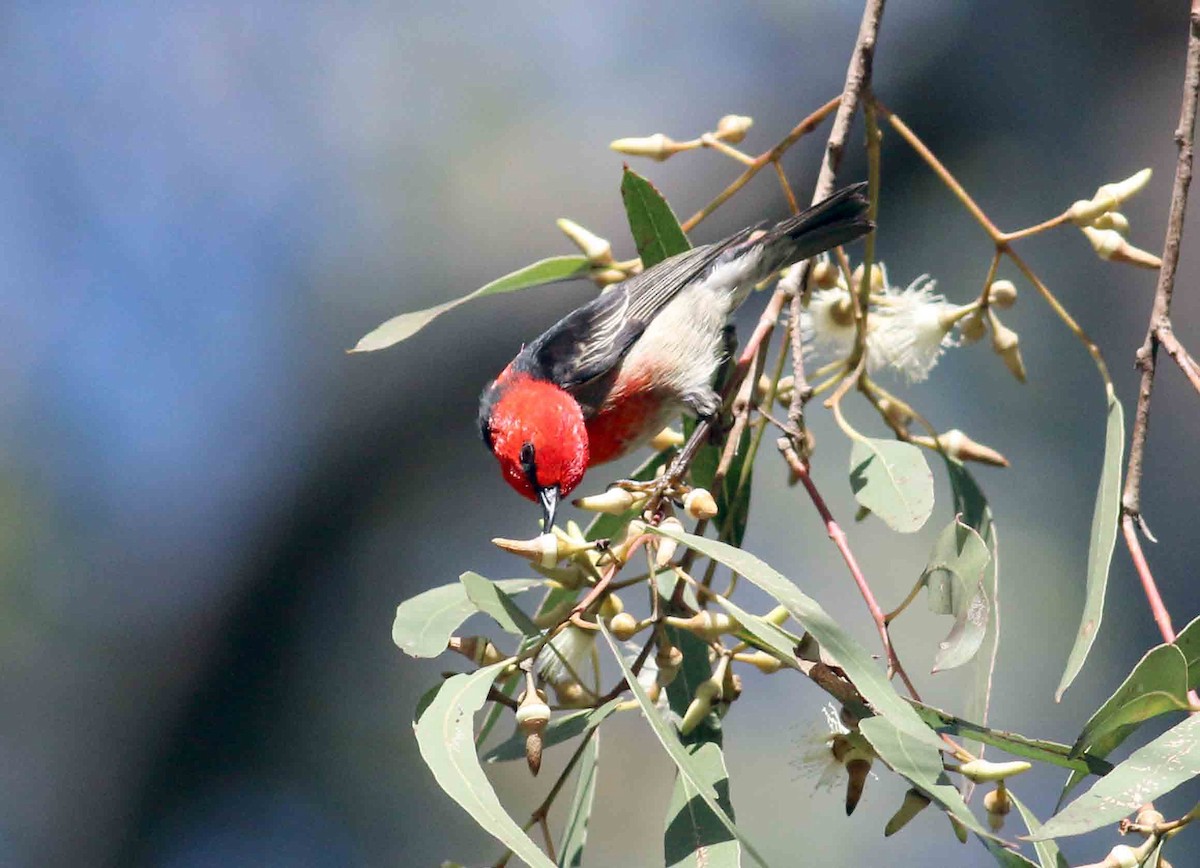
{"type": "Point", "coordinates": [909, 329]}
{"type": "Point", "coordinates": [817, 759]}
{"type": "Point", "coordinates": [563, 657]}
{"type": "Point", "coordinates": [828, 323]}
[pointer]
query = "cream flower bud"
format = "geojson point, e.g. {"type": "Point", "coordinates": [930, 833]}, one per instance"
{"type": "Point", "coordinates": [700, 504]}
{"type": "Point", "coordinates": [1122, 856]}
{"type": "Point", "coordinates": [605, 277]}
{"type": "Point", "coordinates": [572, 694]}
{"type": "Point", "coordinates": [997, 804]}
{"type": "Point", "coordinates": [656, 147]}
{"type": "Point", "coordinates": [542, 549]}
{"type": "Point", "coordinates": [1108, 198]}
{"type": "Point", "coordinates": [706, 625]}
{"type": "Point", "coordinates": [700, 706]}
{"type": "Point", "coordinates": [960, 446]}
{"type": "Point", "coordinates": [666, 546]}
{"type": "Point", "coordinates": [667, 438]}
{"type": "Point", "coordinates": [1002, 294]}
{"type": "Point", "coordinates": [624, 626]}
{"type": "Point", "coordinates": [533, 714]}
{"type": "Point", "coordinates": [878, 279]}
{"type": "Point", "coordinates": [668, 659]}
{"type": "Point", "coordinates": [768, 664]}
{"type": "Point", "coordinates": [971, 328]}
{"type": "Point", "coordinates": [1006, 344]}
{"type": "Point", "coordinates": [733, 128]}
{"type": "Point", "coordinates": [478, 649]}
{"type": "Point", "coordinates": [614, 501]}
{"type": "Point", "coordinates": [783, 391]}
{"type": "Point", "coordinates": [981, 770]}
{"type": "Point", "coordinates": [1114, 220]}
{"type": "Point", "coordinates": [611, 605]}
{"type": "Point", "coordinates": [1109, 244]}
{"type": "Point", "coordinates": [914, 803]}
{"type": "Point", "coordinates": [824, 274]}
{"type": "Point", "coordinates": [596, 249]}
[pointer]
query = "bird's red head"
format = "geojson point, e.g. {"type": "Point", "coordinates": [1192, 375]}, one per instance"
{"type": "Point", "coordinates": [536, 431]}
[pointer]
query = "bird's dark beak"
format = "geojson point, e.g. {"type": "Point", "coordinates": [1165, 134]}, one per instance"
{"type": "Point", "coordinates": [549, 498]}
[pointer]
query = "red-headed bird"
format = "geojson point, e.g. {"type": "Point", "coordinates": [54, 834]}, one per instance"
{"type": "Point", "coordinates": [611, 374]}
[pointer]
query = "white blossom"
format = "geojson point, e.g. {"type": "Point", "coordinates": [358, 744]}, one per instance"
{"type": "Point", "coordinates": [563, 657]}
{"type": "Point", "coordinates": [909, 330]}
{"type": "Point", "coordinates": [828, 323]}
{"type": "Point", "coordinates": [817, 759]}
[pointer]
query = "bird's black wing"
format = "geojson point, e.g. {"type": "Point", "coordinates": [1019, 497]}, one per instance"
{"type": "Point", "coordinates": [589, 342]}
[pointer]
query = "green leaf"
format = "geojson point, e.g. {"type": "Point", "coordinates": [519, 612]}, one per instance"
{"type": "Point", "coordinates": [953, 574]}
{"type": "Point", "coordinates": [654, 226]}
{"type": "Point", "coordinates": [1038, 750]}
{"type": "Point", "coordinates": [1049, 856]}
{"type": "Point", "coordinates": [704, 789]}
{"type": "Point", "coordinates": [561, 728]}
{"type": "Point", "coordinates": [425, 623]}
{"type": "Point", "coordinates": [406, 325]}
{"type": "Point", "coordinates": [921, 764]}
{"type": "Point", "coordinates": [574, 837]}
{"type": "Point", "coordinates": [1151, 771]}
{"type": "Point", "coordinates": [491, 599]}
{"type": "Point", "coordinates": [445, 740]}
{"type": "Point", "coordinates": [1157, 684]}
{"type": "Point", "coordinates": [1188, 641]}
{"type": "Point", "coordinates": [1103, 538]}
{"type": "Point", "coordinates": [973, 510]}
{"type": "Point", "coordinates": [850, 656]}
{"type": "Point", "coordinates": [508, 687]}
{"type": "Point", "coordinates": [892, 479]}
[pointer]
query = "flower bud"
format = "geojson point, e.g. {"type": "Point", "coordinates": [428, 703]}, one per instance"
{"type": "Point", "coordinates": [667, 438]}
{"type": "Point", "coordinates": [699, 504]}
{"type": "Point", "coordinates": [878, 281]}
{"type": "Point", "coordinates": [997, 804]}
{"type": "Point", "coordinates": [700, 705]}
{"type": "Point", "coordinates": [1149, 817]}
{"type": "Point", "coordinates": [981, 770]}
{"type": "Point", "coordinates": [668, 659]}
{"type": "Point", "coordinates": [857, 771]}
{"type": "Point", "coordinates": [1109, 244]}
{"type": "Point", "coordinates": [542, 549]}
{"type": "Point", "coordinates": [614, 501]}
{"type": "Point", "coordinates": [824, 274]}
{"type": "Point", "coordinates": [1114, 220]}
{"type": "Point", "coordinates": [706, 625]}
{"type": "Point", "coordinates": [959, 445]}
{"type": "Point", "coordinates": [1122, 856]}
{"type": "Point", "coordinates": [619, 549]}
{"type": "Point", "coordinates": [572, 694]}
{"type": "Point", "coordinates": [971, 327]}
{"type": "Point", "coordinates": [596, 249]}
{"type": "Point", "coordinates": [656, 147]}
{"type": "Point", "coordinates": [478, 649]}
{"type": "Point", "coordinates": [1006, 344]}
{"type": "Point", "coordinates": [624, 626]}
{"type": "Point", "coordinates": [733, 128]}
{"type": "Point", "coordinates": [1108, 198]}
{"type": "Point", "coordinates": [1002, 294]}
{"type": "Point", "coordinates": [666, 546]}
{"type": "Point", "coordinates": [768, 664]}
{"type": "Point", "coordinates": [533, 714]}
{"type": "Point", "coordinates": [606, 277]}
{"type": "Point", "coordinates": [784, 390]}
{"type": "Point", "coordinates": [914, 803]}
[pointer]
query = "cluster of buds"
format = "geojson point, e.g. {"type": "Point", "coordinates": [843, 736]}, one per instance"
{"type": "Point", "coordinates": [1105, 227]}
{"type": "Point", "coordinates": [547, 549]}
{"type": "Point", "coordinates": [713, 694]}
{"type": "Point", "coordinates": [605, 270]}
{"type": "Point", "coordinates": [659, 147]}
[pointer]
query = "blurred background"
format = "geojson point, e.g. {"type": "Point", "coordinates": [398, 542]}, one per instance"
{"type": "Point", "coordinates": [210, 511]}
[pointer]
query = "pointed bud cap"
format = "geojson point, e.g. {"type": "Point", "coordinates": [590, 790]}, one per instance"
{"type": "Point", "coordinates": [667, 438]}
{"type": "Point", "coordinates": [656, 147]}
{"type": "Point", "coordinates": [768, 664]}
{"type": "Point", "coordinates": [478, 649]}
{"type": "Point", "coordinates": [666, 547]}
{"type": "Point", "coordinates": [614, 501]}
{"type": "Point", "coordinates": [981, 770]}
{"type": "Point", "coordinates": [914, 803]}
{"type": "Point", "coordinates": [1108, 197]}
{"type": "Point", "coordinates": [541, 550]}
{"type": "Point", "coordinates": [733, 128]}
{"type": "Point", "coordinates": [1006, 344]}
{"type": "Point", "coordinates": [1114, 220]}
{"type": "Point", "coordinates": [857, 771]}
{"type": "Point", "coordinates": [962, 447]}
{"type": "Point", "coordinates": [1110, 245]}
{"type": "Point", "coordinates": [700, 706]}
{"type": "Point", "coordinates": [596, 249]}
{"type": "Point", "coordinates": [699, 504]}
{"type": "Point", "coordinates": [1002, 294]}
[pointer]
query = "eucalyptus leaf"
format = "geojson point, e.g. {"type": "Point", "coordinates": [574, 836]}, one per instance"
{"type": "Point", "coordinates": [655, 228]}
{"type": "Point", "coordinates": [953, 576]}
{"type": "Point", "coordinates": [445, 740]}
{"type": "Point", "coordinates": [834, 641]}
{"type": "Point", "coordinates": [1103, 538]}
{"type": "Point", "coordinates": [562, 727]}
{"type": "Point", "coordinates": [574, 837]}
{"type": "Point", "coordinates": [425, 623]}
{"type": "Point", "coordinates": [508, 687]}
{"type": "Point", "coordinates": [544, 271]}
{"type": "Point", "coordinates": [1188, 641]}
{"type": "Point", "coordinates": [491, 599]}
{"type": "Point", "coordinates": [1049, 856]}
{"type": "Point", "coordinates": [1151, 771]}
{"type": "Point", "coordinates": [893, 480]}
{"type": "Point", "coordinates": [704, 789]}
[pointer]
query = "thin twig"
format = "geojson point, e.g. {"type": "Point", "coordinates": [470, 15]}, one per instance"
{"type": "Point", "coordinates": [1160, 321]}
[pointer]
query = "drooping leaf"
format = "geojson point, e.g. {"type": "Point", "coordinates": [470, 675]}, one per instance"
{"type": "Point", "coordinates": [972, 508]}
{"type": "Point", "coordinates": [561, 728]}
{"type": "Point", "coordinates": [544, 271]}
{"type": "Point", "coordinates": [1157, 684]}
{"type": "Point", "coordinates": [892, 479]}
{"type": "Point", "coordinates": [1038, 750]}
{"type": "Point", "coordinates": [1188, 641]}
{"type": "Point", "coordinates": [574, 837]}
{"type": "Point", "coordinates": [425, 623]}
{"type": "Point", "coordinates": [1151, 771]}
{"type": "Point", "coordinates": [1103, 538]}
{"type": "Point", "coordinates": [921, 765]}
{"type": "Point", "coordinates": [834, 641]}
{"type": "Point", "coordinates": [654, 226]}
{"type": "Point", "coordinates": [1049, 856]}
{"type": "Point", "coordinates": [694, 835]}
{"type": "Point", "coordinates": [705, 790]}
{"type": "Point", "coordinates": [491, 599]}
{"type": "Point", "coordinates": [445, 740]}
{"type": "Point", "coordinates": [953, 577]}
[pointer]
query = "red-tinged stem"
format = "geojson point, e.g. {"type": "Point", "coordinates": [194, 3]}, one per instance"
{"type": "Point", "coordinates": [838, 536]}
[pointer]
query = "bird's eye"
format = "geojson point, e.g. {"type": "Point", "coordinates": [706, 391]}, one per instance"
{"type": "Point", "coordinates": [527, 456]}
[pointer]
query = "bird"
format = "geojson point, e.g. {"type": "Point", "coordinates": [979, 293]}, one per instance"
{"type": "Point", "coordinates": [611, 374]}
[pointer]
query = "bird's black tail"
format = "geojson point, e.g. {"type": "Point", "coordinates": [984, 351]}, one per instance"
{"type": "Point", "coordinates": [837, 220]}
